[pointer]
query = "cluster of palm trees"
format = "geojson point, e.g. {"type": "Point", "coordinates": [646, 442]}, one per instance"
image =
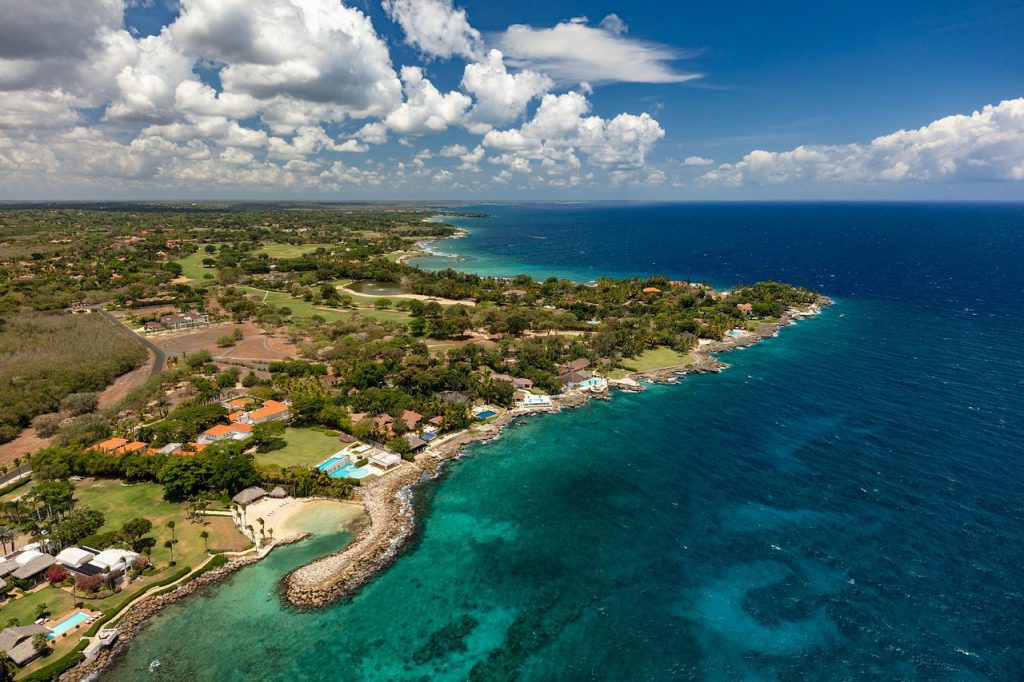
{"type": "Point", "coordinates": [238, 514]}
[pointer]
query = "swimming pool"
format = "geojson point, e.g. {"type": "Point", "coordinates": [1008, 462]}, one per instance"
{"type": "Point", "coordinates": [329, 463]}
{"type": "Point", "coordinates": [67, 624]}
{"type": "Point", "coordinates": [735, 332]}
{"type": "Point", "coordinates": [350, 471]}
{"type": "Point", "coordinates": [429, 436]}
{"type": "Point", "coordinates": [486, 414]}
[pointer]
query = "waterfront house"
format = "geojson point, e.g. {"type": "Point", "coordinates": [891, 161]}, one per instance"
{"type": "Point", "coordinates": [415, 442]}
{"type": "Point", "coordinates": [745, 308]}
{"type": "Point", "coordinates": [383, 459]}
{"type": "Point", "coordinates": [572, 379]}
{"type": "Point", "coordinates": [278, 493]}
{"type": "Point", "coordinates": [522, 383]}
{"type": "Point", "coordinates": [16, 642]}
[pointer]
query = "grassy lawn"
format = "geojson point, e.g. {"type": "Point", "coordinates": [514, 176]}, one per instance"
{"type": "Point", "coordinates": [306, 448]}
{"type": "Point", "coordinates": [305, 309]}
{"type": "Point", "coordinates": [438, 348]}
{"type": "Point", "coordinates": [290, 250]}
{"type": "Point", "coordinates": [120, 503]}
{"type": "Point", "coordinates": [24, 608]}
{"type": "Point", "coordinates": [656, 358]}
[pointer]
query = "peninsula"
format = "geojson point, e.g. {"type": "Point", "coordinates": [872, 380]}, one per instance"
{"type": "Point", "coordinates": [241, 360]}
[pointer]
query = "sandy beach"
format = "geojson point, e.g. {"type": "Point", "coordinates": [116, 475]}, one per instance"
{"type": "Point", "coordinates": [289, 517]}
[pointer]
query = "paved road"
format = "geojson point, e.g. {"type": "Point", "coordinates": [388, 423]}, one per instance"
{"type": "Point", "coordinates": [160, 357]}
{"type": "Point", "coordinates": [11, 475]}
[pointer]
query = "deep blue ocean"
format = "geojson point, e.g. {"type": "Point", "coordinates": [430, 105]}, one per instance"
{"type": "Point", "coordinates": [845, 502]}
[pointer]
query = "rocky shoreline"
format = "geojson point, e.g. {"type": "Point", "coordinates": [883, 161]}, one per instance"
{"type": "Point", "coordinates": [137, 616]}
{"type": "Point", "coordinates": [388, 500]}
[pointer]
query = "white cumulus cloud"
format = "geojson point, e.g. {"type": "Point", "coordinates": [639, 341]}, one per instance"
{"type": "Point", "coordinates": [435, 27]}
{"type": "Point", "coordinates": [574, 51]}
{"type": "Point", "coordinates": [987, 145]}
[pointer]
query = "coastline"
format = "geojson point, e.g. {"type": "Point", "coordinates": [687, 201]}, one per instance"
{"type": "Point", "coordinates": [388, 500]}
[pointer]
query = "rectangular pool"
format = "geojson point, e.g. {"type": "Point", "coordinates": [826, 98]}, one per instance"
{"type": "Point", "coordinates": [329, 463]}
{"type": "Point", "coordinates": [486, 414]}
{"type": "Point", "coordinates": [67, 624]}
{"type": "Point", "coordinates": [350, 471]}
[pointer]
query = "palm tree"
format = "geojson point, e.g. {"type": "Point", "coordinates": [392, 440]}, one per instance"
{"type": "Point", "coordinates": [169, 545]}
{"type": "Point", "coordinates": [170, 524]}
{"type": "Point", "coordinates": [205, 535]}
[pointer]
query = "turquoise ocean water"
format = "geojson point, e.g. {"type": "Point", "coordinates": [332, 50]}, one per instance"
{"type": "Point", "coordinates": [846, 501]}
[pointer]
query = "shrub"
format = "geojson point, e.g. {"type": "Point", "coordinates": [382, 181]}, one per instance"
{"type": "Point", "coordinates": [56, 574]}
{"type": "Point", "coordinates": [88, 583]}
{"type": "Point", "coordinates": [47, 425]}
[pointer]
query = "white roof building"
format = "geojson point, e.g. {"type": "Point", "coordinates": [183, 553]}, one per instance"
{"type": "Point", "coordinates": [110, 559]}
{"type": "Point", "coordinates": [26, 556]}
{"type": "Point", "coordinates": [384, 460]}
{"type": "Point", "coordinates": [73, 557]}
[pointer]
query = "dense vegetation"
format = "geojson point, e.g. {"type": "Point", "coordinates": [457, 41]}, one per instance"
{"type": "Point", "coordinates": [362, 362]}
{"type": "Point", "coordinates": [46, 357]}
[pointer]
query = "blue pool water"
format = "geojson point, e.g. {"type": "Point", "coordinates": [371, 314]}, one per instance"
{"type": "Point", "coordinates": [429, 436]}
{"type": "Point", "coordinates": [329, 463]}
{"type": "Point", "coordinates": [67, 624]}
{"type": "Point", "coordinates": [842, 503]}
{"type": "Point", "coordinates": [486, 414]}
{"type": "Point", "coordinates": [350, 471]}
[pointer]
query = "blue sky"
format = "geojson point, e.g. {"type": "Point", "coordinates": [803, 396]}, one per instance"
{"type": "Point", "coordinates": [526, 100]}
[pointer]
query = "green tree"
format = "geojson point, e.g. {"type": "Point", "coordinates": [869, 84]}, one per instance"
{"type": "Point", "coordinates": [134, 530]}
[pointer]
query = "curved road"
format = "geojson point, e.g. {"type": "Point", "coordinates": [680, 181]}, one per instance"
{"type": "Point", "coordinates": [159, 356]}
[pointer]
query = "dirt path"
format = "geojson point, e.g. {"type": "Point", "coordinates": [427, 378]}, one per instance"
{"type": "Point", "coordinates": [124, 384]}
{"type": "Point", "coordinates": [27, 442]}
{"type": "Point", "coordinates": [419, 297]}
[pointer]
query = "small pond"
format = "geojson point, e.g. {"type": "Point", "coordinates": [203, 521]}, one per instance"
{"type": "Point", "coordinates": [373, 288]}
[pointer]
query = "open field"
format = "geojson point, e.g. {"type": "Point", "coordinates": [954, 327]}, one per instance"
{"type": "Point", "coordinates": [192, 267]}
{"type": "Point", "coordinates": [259, 347]}
{"type": "Point", "coordinates": [438, 347]}
{"type": "Point", "coordinates": [305, 309]}
{"type": "Point", "coordinates": [306, 448]}
{"type": "Point", "coordinates": [291, 250]}
{"type": "Point", "coordinates": [656, 358]}
{"type": "Point", "coordinates": [119, 503]}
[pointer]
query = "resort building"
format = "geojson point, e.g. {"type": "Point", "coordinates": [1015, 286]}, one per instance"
{"type": "Point", "coordinates": [415, 442]}
{"type": "Point", "coordinates": [31, 564]}
{"type": "Point", "coordinates": [249, 495]}
{"type": "Point", "coordinates": [74, 557]}
{"type": "Point", "coordinates": [114, 560]}
{"type": "Point", "coordinates": [111, 445]}
{"type": "Point", "coordinates": [184, 321]}
{"type": "Point", "coordinates": [383, 460]}
{"type": "Point", "coordinates": [225, 432]}
{"type": "Point", "coordinates": [271, 410]}
{"type": "Point", "coordinates": [574, 378]}
{"type": "Point", "coordinates": [17, 642]}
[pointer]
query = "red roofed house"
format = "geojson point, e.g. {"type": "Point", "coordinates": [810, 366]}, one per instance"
{"type": "Point", "coordinates": [225, 432]}
{"type": "Point", "coordinates": [272, 410]}
{"type": "Point", "coordinates": [745, 308]}
{"type": "Point", "coordinates": [651, 290]}
{"type": "Point", "coordinates": [111, 445]}
{"type": "Point", "coordinates": [134, 447]}
{"type": "Point", "coordinates": [411, 419]}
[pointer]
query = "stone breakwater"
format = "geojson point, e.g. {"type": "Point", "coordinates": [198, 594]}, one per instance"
{"type": "Point", "coordinates": [388, 503]}
{"type": "Point", "coordinates": [134, 619]}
